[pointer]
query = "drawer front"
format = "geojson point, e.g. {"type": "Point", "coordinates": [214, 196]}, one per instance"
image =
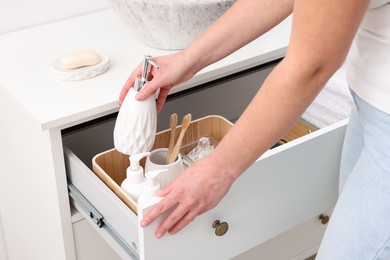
{"type": "Point", "coordinates": [284, 188]}
{"type": "Point", "coordinates": [299, 243]}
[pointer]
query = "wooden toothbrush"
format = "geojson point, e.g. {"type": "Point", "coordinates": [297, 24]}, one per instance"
{"type": "Point", "coordinates": [172, 126]}
{"type": "Point", "coordinates": [184, 125]}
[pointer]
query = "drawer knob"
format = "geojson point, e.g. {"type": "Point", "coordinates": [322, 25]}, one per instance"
{"type": "Point", "coordinates": [324, 219]}
{"type": "Point", "coordinates": [220, 228]}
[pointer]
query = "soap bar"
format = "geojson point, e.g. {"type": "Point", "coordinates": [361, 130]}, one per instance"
{"type": "Point", "coordinates": [79, 59]}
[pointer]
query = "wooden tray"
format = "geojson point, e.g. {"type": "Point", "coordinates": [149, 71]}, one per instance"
{"type": "Point", "coordinates": [110, 166]}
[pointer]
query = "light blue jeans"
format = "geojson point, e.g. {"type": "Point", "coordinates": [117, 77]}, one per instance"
{"type": "Point", "coordinates": [360, 224]}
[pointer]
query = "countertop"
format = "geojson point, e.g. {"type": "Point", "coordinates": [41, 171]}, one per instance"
{"type": "Point", "coordinates": [26, 57]}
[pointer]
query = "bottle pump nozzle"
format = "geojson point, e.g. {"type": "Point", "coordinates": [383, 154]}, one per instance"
{"type": "Point", "coordinates": [140, 82]}
{"type": "Point", "coordinates": [135, 158]}
{"type": "Point", "coordinates": [133, 184]}
{"type": "Point", "coordinates": [151, 185]}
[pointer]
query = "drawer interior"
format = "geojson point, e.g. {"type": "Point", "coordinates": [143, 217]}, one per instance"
{"type": "Point", "coordinates": [272, 185]}
{"type": "Point", "coordinates": [110, 166]}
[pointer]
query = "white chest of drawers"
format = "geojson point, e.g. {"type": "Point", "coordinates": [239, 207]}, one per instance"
{"type": "Point", "coordinates": [37, 110]}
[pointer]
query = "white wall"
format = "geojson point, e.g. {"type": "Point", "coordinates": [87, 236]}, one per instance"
{"type": "Point", "coordinates": [19, 14]}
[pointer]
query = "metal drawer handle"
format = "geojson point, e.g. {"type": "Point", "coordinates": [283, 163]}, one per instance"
{"type": "Point", "coordinates": [324, 219]}
{"type": "Point", "coordinates": [220, 228]}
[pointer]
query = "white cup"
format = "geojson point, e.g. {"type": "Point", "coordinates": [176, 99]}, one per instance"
{"type": "Point", "coordinates": [157, 160]}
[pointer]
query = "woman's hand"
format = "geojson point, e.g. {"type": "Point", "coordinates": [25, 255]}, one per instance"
{"type": "Point", "coordinates": [198, 189]}
{"type": "Point", "coordinates": [173, 70]}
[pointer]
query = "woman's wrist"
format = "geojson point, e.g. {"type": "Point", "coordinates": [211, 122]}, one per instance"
{"type": "Point", "coordinates": [196, 60]}
{"type": "Point", "coordinates": [224, 165]}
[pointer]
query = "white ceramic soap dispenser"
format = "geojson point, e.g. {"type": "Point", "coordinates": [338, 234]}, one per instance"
{"type": "Point", "coordinates": [134, 182]}
{"type": "Point", "coordinates": [150, 188]}
{"type": "Point", "coordinates": [136, 124]}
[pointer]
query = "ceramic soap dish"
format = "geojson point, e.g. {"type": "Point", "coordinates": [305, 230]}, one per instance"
{"type": "Point", "coordinates": [81, 73]}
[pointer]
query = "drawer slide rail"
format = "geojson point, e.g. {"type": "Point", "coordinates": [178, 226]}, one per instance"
{"type": "Point", "coordinates": [96, 217]}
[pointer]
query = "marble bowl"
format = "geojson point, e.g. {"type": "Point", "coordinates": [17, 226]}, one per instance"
{"type": "Point", "coordinates": [169, 24]}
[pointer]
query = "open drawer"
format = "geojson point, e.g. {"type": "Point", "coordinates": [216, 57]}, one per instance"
{"type": "Point", "coordinates": [285, 187]}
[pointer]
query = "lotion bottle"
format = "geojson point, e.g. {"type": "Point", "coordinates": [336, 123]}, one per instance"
{"type": "Point", "coordinates": [150, 188]}
{"type": "Point", "coordinates": [133, 184]}
{"type": "Point", "coordinates": [136, 124]}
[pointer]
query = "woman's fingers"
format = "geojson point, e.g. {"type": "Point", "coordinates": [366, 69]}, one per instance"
{"type": "Point", "coordinates": [129, 83]}
{"type": "Point", "coordinates": [162, 98]}
{"type": "Point", "coordinates": [184, 221]}
{"type": "Point", "coordinates": [176, 216]}
{"type": "Point", "coordinates": [146, 91]}
{"type": "Point", "coordinates": [160, 208]}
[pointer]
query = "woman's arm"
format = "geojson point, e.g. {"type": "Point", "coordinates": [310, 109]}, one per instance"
{"type": "Point", "coordinates": [322, 32]}
{"type": "Point", "coordinates": [245, 21]}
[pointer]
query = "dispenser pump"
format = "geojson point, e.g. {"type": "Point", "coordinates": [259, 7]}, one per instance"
{"type": "Point", "coordinates": [135, 159]}
{"type": "Point", "coordinates": [151, 186]}
{"type": "Point", "coordinates": [140, 82]}
{"type": "Point", "coordinates": [133, 184]}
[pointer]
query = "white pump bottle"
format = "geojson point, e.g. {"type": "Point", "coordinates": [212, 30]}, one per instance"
{"type": "Point", "coordinates": [134, 182]}
{"type": "Point", "coordinates": [136, 124]}
{"type": "Point", "coordinates": [150, 188]}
